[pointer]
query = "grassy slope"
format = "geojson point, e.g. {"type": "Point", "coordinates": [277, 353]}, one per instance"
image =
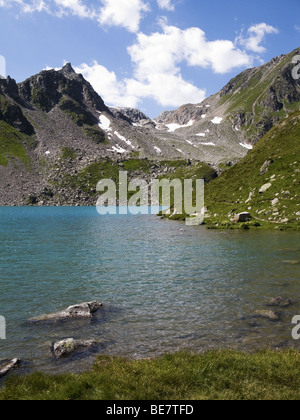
{"type": "Point", "coordinates": [229, 193]}
{"type": "Point", "coordinates": [215, 375]}
{"type": "Point", "coordinates": [14, 144]}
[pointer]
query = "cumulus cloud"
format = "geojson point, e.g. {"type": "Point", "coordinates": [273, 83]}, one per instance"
{"type": "Point", "coordinates": [164, 51]}
{"type": "Point", "coordinates": [158, 59]}
{"type": "Point", "coordinates": [27, 6]}
{"type": "Point", "coordinates": [123, 13]}
{"type": "Point", "coordinates": [166, 5]}
{"type": "Point", "coordinates": [76, 8]}
{"type": "Point", "coordinates": [127, 14]}
{"type": "Point", "coordinates": [256, 35]}
{"type": "Point", "coordinates": [166, 89]}
{"type": "Point", "coordinates": [106, 83]}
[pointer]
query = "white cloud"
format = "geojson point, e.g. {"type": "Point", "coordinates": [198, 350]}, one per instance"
{"type": "Point", "coordinates": [158, 59]}
{"type": "Point", "coordinates": [164, 51]}
{"type": "Point", "coordinates": [74, 7]}
{"type": "Point", "coordinates": [105, 82]}
{"type": "Point", "coordinates": [27, 6]}
{"type": "Point", "coordinates": [124, 13]}
{"type": "Point", "coordinates": [166, 5]}
{"type": "Point", "coordinates": [256, 35]}
{"type": "Point", "coordinates": [166, 89]}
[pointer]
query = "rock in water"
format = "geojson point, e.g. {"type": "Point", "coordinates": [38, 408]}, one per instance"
{"type": "Point", "coordinates": [271, 315]}
{"type": "Point", "coordinates": [7, 365]}
{"type": "Point", "coordinates": [80, 311]}
{"type": "Point", "coordinates": [68, 346]}
{"type": "Point", "coordinates": [280, 302]}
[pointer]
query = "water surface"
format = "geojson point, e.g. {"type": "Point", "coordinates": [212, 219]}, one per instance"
{"type": "Point", "coordinates": [165, 286]}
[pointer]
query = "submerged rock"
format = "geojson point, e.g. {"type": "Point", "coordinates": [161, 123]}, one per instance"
{"type": "Point", "coordinates": [68, 346]}
{"type": "Point", "coordinates": [280, 302]}
{"type": "Point", "coordinates": [80, 311]}
{"type": "Point", "coordinates": [7, 365]}
{"type": "Point", "coordinates": [271, 315]}
{"type": "Point", "coordinates": [291, 262]}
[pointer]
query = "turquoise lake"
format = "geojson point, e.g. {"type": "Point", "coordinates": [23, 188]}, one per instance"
{"type": "Point", "coordinates": [165, 286]}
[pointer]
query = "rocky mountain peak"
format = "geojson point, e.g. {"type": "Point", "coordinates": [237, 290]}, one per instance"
{"type": "Point", "coordinates": [67, 69]}
{"type": "Point", "coordinates": [132, 115]}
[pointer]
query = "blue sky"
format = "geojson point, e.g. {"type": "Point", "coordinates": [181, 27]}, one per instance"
{"type": "Point", "coordinates": [150, 54]}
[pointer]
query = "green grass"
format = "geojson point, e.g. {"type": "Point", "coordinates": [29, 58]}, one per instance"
{"type": "Point", "coordinates": [216, 375]}
{"type": "Point", "coordinates": [68, 153]}
{"type": "Point", "coordinates": [13, 145]}
{"type": "Point", "coordinates": [197, 171]}
{"type": "Point", "coordinates": [89, 177]}
{"type": "Point", "coordinates": [95, 133]}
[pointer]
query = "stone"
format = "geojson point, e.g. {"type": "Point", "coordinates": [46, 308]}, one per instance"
{"type": "Point", "coordinates": [264, 169]}
{"type": "Point", "coordinates": [275, 201]}
{"type": "Point", "coordinates": [291, 262]}
{"type": "Point", "coordinates": [265, 188]}
{"type": "Point", "coordinates": [68, 346]}
{"type": "Point", "coordinates": [7, 365]}
{"type": "Point", "coordinates": [271, 315]}
{"type": "Point", "coordinates": [80, 311]}
{"type": "Point", "coordinates": [280, 302]}
{"type": "Point", "coordinates": [242, 217]}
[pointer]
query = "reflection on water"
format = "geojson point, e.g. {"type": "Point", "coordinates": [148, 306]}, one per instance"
{"type": "Point", "coordinates": [165, 286]}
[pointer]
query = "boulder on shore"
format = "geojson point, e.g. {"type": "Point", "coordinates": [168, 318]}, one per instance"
{"type": "Point", "coordinates": [242, 217]}
{"type": "Point", "coordinates": [68, 346]}
{"type": "Point", "coordinates": [80, 311]}
{"type": "Point", "coordinates": [7, 365]}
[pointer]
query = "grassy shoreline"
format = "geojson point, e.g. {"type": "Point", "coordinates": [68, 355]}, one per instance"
{"type": "Point", "coordinates": [215, 375]}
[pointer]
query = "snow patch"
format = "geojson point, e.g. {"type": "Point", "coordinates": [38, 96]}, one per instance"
{"type": "Point", "coordinates": [217, 120]}
{"type": "Point", "coordinates": [118, 149]}
{"type": "Point", "coordinates": [247, 146]}
{"type": "Point", "coordinates": [174, 127]}
{"type": "Point", "coordinates": [122, 138]}
{"type": "Point", "coordinates": [189, 142]}
{"type": "Point", "coordinates": [157, 149]}
{"type": "Point", "coordinates": [208, 144]}
{"type": "Point", "coordinates": [104, 123]}
{"type": "Point", "coordinates": [47, 153]}
{"type": "Point", "coordinates": [203, 116]}
{"type": "Point", "coordinates": [201, 135]}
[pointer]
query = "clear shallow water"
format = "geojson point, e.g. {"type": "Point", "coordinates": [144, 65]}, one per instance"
{"type": "Point", "coordinates": [165, 286]}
